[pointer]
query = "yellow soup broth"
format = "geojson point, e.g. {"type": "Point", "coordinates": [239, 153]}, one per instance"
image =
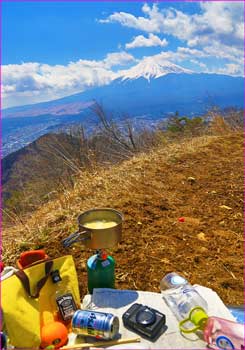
{"type": "Point", "coordinates": [100, 224]}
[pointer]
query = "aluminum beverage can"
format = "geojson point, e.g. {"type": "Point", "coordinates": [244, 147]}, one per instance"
{"type": "Point", "coordinates": [96, 324]}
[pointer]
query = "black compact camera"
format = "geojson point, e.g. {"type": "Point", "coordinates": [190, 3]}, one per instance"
{"type": "Point", "coordinates": [144, 320]}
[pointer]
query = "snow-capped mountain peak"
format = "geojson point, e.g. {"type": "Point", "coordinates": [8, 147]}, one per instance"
{"type": "Point", "coordinates": [149, 69]}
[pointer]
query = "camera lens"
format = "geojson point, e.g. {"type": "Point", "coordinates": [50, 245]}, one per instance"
{"type": "Point", "coordinates": [146, 317]}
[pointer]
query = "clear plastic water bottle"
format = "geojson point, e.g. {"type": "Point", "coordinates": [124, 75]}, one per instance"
{"type": "Point", "coordinates": [189, 307]}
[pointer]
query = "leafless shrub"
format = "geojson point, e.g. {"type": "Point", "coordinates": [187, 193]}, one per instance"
{"type": "Point", "coordinates": [122, 136]}
{"type": "Point", "coordinates": [234, 118]}
{"type": "Point", "coordinates": [225, 121]}
{"type": "Point", "coordinates": [217, 123]}
{"type": "Point", "coordinates": [115, 141]}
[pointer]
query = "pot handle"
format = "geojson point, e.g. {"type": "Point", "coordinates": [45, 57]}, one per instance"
{"type": "Point", "coordinates": [76, 237]}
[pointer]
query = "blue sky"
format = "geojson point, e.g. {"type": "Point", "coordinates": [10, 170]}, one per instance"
{"type": "Point", "coordinates": [53, 49]}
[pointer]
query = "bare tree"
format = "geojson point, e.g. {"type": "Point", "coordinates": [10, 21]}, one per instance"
{"type": "Point", "coordinates": [123, 137]}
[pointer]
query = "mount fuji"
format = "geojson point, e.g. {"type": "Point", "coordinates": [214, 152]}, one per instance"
{"type": "Point", "coordinates": [149, 69]}
{"type": "Point", "coordinates": [148, 88]}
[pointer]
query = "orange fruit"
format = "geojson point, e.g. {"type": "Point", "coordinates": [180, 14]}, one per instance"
{"type": "Point", "coordinates": [55, 334]}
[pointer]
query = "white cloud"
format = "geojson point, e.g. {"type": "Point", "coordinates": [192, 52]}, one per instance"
{"type": "Point", "coordinates": [218, 19]}
{"type": "Point", "coordinates": [229, 68]}
{"type": "Point", "coordinates": [180, 55]}
{"type": "Point", "coordinates": [142, 41]}
{"type": "Point", "coordinates": [169, 21]}
{"type": "Point", "coordinates": [235, 67]}
{"type": "Point", "coordinates": [128, 20]}
{"type": "Point", "coordinates": [219, 22]}
{"type": "Point", "coordinates": [223, 17]}
{"type": "Point", "coordinates": [198, 63]}
{"type": "Point", "coordinates": [118, 58]}
{"type": "Point", "coordinates": [221, 51]}
{"type": "Point", "coordinates": [35, 82]}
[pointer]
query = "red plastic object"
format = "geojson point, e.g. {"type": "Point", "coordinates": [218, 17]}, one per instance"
{"type": "Point", "coordinates": [1, 266]}
{"type": "Point", "coordinates": [29, 257]}
{"type": "Point", "coordinates": [104, 256]}
{"type": "Point", "coordinates": [181, 219]}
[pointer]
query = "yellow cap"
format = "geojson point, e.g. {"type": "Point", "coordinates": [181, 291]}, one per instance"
{"type": "Point", "coordinates": [198, 317]}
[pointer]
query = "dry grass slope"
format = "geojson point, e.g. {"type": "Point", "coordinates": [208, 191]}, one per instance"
{"type": "Point", "coordinates": [153, 191]}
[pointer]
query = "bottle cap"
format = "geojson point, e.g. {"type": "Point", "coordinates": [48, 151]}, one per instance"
{"type": "Point", "coordinates": [172, 281]}
{"type": "Point", "coordinates": [198, 317]}
{"type": "Point", "coordinates": [178, 280]}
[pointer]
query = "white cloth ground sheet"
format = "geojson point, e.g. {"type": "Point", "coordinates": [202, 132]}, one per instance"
{"type": "Point", "coordinates": [118, 301]}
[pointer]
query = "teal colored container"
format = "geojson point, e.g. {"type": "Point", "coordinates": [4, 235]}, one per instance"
{"type": "Point", "coordinates": [101, 272]}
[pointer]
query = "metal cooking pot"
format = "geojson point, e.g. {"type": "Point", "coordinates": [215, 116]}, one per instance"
{"type": "Point", "coordinates": [97, 238]}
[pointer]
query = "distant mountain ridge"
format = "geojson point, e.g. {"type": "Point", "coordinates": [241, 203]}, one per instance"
{"type": "Point", "coordinates": [147, 89]}
{"type": "Point", "coordinates": [43, 159]}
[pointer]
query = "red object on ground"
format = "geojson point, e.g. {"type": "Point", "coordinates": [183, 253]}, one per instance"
{"type": "Point", "coordinates": [181, 219]}
{"type": "Point", "coordinates": [29, 257]}
{"type": "Point", "coordinates": [1, 266]}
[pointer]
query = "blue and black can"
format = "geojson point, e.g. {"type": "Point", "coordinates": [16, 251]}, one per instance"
{"type": "Point", "coordinates": [91, 323]}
